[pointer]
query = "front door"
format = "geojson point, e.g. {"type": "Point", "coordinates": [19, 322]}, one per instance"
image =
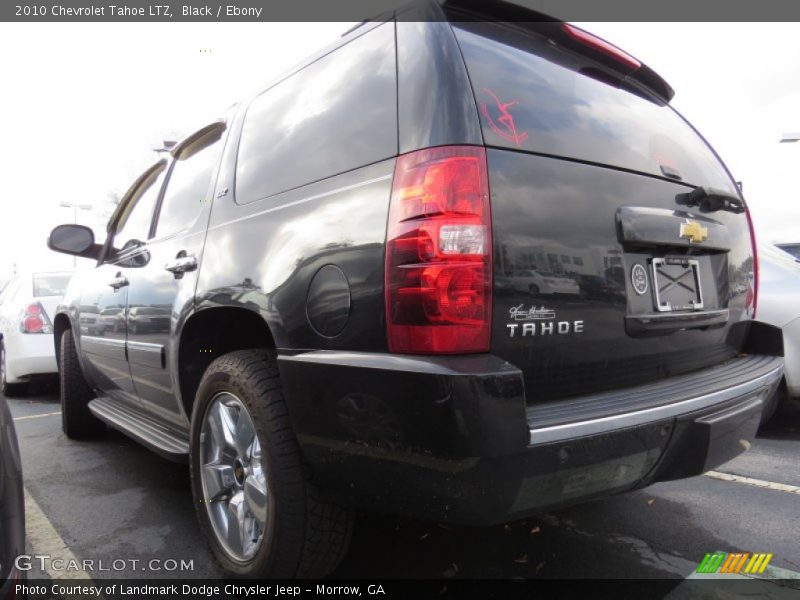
{"type": "Point", "coordinates": [103, 331]}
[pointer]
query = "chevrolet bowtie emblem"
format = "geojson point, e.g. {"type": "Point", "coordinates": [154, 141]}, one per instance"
{"type": "Point", "coordinates": [693, 231]}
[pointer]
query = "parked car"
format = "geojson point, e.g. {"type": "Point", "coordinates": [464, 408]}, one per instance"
{"type": "Point", "coordinates": [601, 288]}
{"type": "Point", "coordinates": [12, 505]}
{"type": "Point", "coordinates": [27, 304]}
{"type": "Point", "coordinates": [112, 319]}
{"type": "Point", "coordinates": [343, 333]}
{"type": "Point", "coordinates": [779, 305]}
{"type": "Point", "coordinates": [536, 283]}
{"type": "Point", "coordinates": [148, 318]}
{"type": "Point", "coordinates": [89, 320]}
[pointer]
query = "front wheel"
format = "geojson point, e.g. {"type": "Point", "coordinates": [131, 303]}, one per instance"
{"type": "Point", "coordinates": [77, 420]}
{"type": "Point", "coordinates": [261, 515]}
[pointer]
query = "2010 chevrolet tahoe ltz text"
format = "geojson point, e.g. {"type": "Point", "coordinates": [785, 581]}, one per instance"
{"type": "Point", "coordinates": [461, 266]}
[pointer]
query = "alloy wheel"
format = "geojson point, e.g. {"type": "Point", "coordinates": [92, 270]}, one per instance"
{"type": "Point", "coordinates": [233, 476]}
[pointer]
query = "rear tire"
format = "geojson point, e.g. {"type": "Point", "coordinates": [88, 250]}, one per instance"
{"type": "Point", "coordinates": [77, 420]}
{"type": "Point", "coordinates": [301, 535]}
{"type": "Point", "coordinates": [533, 289]}
{"type": "Point", "coordinates": [9, 389]}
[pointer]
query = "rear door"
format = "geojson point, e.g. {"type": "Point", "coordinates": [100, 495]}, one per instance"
{"type": "Point", "coordinates": [161, 294]}
{"type": "Point", "coordinates": [589, 175]}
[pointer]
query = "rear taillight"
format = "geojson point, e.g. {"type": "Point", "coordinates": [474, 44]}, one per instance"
{"type": "Point", "coordinates": [753, 298]}
{"type": "Point", "coordinates": [34, 319]}
{"type": "Point", "coordinates": [439, 253]}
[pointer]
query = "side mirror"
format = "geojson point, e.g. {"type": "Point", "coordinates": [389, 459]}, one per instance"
{"type": "Point", "coordinates": [77, 240]}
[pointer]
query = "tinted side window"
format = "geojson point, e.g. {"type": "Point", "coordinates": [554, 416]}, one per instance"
{"type": "Point", "coordinates": [337, 114]}
{"type": "Point", "coordinates": [137, 225]}
{"type": "Point", "coordinates": [187, 188]}
{"type": "Point", "coordinates": [535, 97]}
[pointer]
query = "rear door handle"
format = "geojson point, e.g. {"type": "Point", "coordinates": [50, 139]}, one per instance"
{"type": "Point", "coordinates": [182, 264]}
{"type": "Point", "coordinates": [119, 281]}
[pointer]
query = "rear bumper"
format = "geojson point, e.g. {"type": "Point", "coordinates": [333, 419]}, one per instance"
{"type": "Point", "coordinates": [29, 354]}
{"type": "Point", "coordinates": [450, 438]}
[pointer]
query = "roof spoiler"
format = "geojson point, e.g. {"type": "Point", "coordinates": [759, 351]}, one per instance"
{"type": "Point", "coordinates": [623, 65]}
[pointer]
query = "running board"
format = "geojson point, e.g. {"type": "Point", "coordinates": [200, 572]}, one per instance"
{"type": "Point", "coordinates": [143, 429]}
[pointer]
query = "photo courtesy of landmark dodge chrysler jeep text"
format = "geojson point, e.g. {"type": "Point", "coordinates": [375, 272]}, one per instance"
{"type": "Point", "coordinates": [318, 301]}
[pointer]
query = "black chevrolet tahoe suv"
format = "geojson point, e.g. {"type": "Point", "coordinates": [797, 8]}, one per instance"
{"type": "Point", "coordinates": [327, 311]}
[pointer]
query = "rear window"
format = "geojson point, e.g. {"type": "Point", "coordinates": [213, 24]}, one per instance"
{"type": "Point", "coordinates": [50, 285]}
{"type": "Point", "coordinates": [533, 96]}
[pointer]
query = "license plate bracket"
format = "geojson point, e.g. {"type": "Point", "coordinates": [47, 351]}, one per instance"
{"type": "Point", "coordinates": [676, 284]}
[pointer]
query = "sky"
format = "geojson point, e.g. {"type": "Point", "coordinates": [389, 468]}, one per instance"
{"type": "Point", "coordinates": [84, 104]}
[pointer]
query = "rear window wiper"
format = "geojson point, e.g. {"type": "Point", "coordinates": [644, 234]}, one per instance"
{"type": "Point", "coordinates": [711, 200]}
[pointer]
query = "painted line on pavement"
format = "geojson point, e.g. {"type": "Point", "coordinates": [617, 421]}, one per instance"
{"type": "Point", "coordinates": [26, 417]}
{"type": "Point", "coordinates": [770, 485]}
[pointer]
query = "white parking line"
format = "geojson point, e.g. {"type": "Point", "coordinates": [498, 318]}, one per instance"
{"type": "Point", "coordinates": [770, 485]}
{"type": "Point", "coordinates": [26, 417]}
{"type": "Point", "coordinates": [43, 540]}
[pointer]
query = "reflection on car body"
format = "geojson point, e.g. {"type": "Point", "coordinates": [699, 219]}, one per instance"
{"type": "Point", "coordinates": [90, 320]}
{"type": "Point", "coordinates": [536, 283]}
{"type": "Point", "coordinates": [112, 319]}
{"type": "Point", "coordinates": [148, 319]}
{"type": "Point", "coordinates": [600, 288]}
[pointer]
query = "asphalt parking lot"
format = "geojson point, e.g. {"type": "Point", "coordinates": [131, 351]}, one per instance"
{"type": "Point", "coordinates": [112, 498]}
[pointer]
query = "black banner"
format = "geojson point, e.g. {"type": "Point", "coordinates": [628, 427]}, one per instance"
{"type": "Point", "coordinates": [357, 10]}
{"type": "Point", "coordinates": [173, 589]}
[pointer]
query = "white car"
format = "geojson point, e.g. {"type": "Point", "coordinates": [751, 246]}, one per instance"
{"type": "Point", "coordinates": [26, 342]}
{"type": "Point", "coordinates": [535, 283]}
{"type": "Point", "coordinates": [779, 305]}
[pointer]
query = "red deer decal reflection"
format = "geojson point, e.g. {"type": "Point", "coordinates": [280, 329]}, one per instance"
{"type": "Point", "coordinates": [503, 125]}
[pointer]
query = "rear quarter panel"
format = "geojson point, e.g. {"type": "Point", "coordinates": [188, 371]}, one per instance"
{"type": "Point", "coordinates": [262, 256]}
